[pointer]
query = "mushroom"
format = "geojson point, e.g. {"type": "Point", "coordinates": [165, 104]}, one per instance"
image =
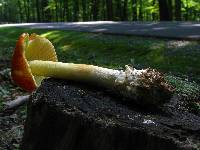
{"type": "Point", "coordinates": [35, 58]}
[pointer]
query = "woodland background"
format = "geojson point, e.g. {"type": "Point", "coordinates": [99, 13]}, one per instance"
{"type": "Point", "coordinates": [16, 11]}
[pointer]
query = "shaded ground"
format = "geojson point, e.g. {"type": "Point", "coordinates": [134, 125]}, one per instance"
{"type": "Point", "coordinates": [175, 30]}
{"type": "Point", "coordinates": [173, 57]}
{"type": "Point", "coordinates": [11, 126]}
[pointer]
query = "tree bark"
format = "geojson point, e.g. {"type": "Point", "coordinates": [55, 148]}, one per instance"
{"type": "Point", "coordinates": [28, 11]}
{"type": "Point", "coordinates": [67, 115]}
{"type": "Point", "coordinates": [56, 4]}
{"type": "Point", "coordinates": [134, 10]}
{"type": "Point", "coordinates": [45, 13]}
{"type": "Point", "coordinates": [61, 9]}
{"type": "Point", "coordinates": [141, 10]}
{"type": "Point", "coordinates": [103, 10]}
{"type": "Point", "coordinates": [95, 9]}
{"type": "Point", "coordinates": [6, 13]}
{"type": "Point", "coordinates": [33, 11]}
{"type": "Point", "coordinates": [109, 8]}
{"type": "Point", "coordinates": [154, 14]}
{"type": "Point", "coordinates": [20, 11]}
{"type": "Point", "coordinates": [76, 10]}
{"type": "Point", "coordinates": [187, 10]}
{"type": "Point", "coordinates": [84, 8]}
{"type": "Point", "coordinates": [38, 11]}
{"type": "Point", "coordinates": [165, 9]}
{"type": "Point", "coordinates": [178, 10]}
{"type": "Point", "coordinates": [125, 13]}
{"type": "Point", "coordinates": [1, 14]}
{"type": "Point", "coordinates": [118, 10]}
{"type": "Point", "coordinates": [67, 13]}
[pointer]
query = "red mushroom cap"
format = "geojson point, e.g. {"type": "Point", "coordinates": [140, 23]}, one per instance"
{"type": "Point", "coordinates": [27, 49]}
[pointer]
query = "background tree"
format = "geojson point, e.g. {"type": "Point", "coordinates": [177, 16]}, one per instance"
{"type": "Point", "coordinates": [84, 10]}
{"type": "Point", "coordinates": [141, 10]}
{"type": "Point", "coordinates": [125, 13]}
{"type": "Point", "coordinates": [165, 9]}
{"type": "Point", "coordinates": [134, 10]}
{"type": "Point", "coordinates": [88, 10]}
{"type": "Point", "coordinates": [38, 10]}
{"type": "Point", "coordinates": [178, 10]}
{"type": "Point", "coordinates": [109, 8]}
{"type": "Point", "coordinates": [95, 9]}
{"type": "Point", "coordinates": [75, 10]}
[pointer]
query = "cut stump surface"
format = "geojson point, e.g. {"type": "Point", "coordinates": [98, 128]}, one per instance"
{"type": "Point", "coordinates": [69, 116]}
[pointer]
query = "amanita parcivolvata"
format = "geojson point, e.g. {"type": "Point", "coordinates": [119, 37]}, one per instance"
{"type": "Point", "coordinates": [35, 58]}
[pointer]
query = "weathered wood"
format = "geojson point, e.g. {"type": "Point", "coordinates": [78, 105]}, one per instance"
{"type": "Point", "coordinates": [11, 106]}
{"type": "Point", "coordinates": [64, 115]}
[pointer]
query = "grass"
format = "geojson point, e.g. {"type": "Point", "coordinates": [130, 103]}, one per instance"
{"type": "Point", "coordinates": [169, 56]}
{"type": "Point", "coordinates": [113, 51]}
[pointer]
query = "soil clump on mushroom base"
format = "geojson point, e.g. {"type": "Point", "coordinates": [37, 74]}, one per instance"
{"type": "Point", "coordinates": [65, 115]}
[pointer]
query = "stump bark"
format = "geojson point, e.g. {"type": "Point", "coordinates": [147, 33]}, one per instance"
{"type": "Point", "coordinates": [64, 115]}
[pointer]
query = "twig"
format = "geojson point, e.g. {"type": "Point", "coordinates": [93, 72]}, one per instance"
{"type": "Point", "coordinates": [11, 106]}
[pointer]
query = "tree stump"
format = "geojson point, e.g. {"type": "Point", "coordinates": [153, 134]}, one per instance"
{"type": "Point", "coordinates": [64, 115]}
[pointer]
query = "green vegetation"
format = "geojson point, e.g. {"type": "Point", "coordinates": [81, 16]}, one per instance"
{"type": "Point", "coordinates": [114, 51]}
{"type": "Point", "coordinates": [93, 10]}
{"type": "Point", "coordinates": [181, 58]}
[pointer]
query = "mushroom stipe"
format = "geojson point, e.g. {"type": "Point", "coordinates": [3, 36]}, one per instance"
{"type": "Point", "coordinates": [35, 58]}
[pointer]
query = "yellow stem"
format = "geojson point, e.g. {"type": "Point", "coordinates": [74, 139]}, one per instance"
{"type": "Point", "coordinates": [77, 72]}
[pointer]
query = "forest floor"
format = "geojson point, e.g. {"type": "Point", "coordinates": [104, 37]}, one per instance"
{"type": "Point", "coordinates": [174, 30]}
{"type": "Point", "coordinates": [179, 60]}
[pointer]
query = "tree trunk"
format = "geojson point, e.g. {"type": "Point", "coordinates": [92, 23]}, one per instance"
{"type": "Point", "coordinates": [103, 10]}
{"type": "Point", "coordinates": [45, 13]}
{"type": "Point", "coordinates": [141, 11]}
{"type": "Point", "coordinates": [75, 10]}
{"type": "Point", "coordinates": [6, 13]}
{"type": "Point", "coordinates": [134, 10]}
{"type": "Point", "coordinates": [61, 9]}
{"type": "Point", "coordinates": [95, 9]}
{"type": "Point", "coordinates": [64, 115]}
{"type": "Point", "coordinates": [66, 10]}
{"type": "Point", "coordinates": [84, 8]}
{"type": "Point", "coordinates": [118, 8]}
{"type": "Point", "coordinates": [125, 14]}
{"type": "Point", "coordinates": [187, 10]}
{"type": "Point", "coordinates": [154, 14]}
{"type": "Point", "coordinates": [178, 10]}
{"type": "Point", "coordinates": [33, 11]}
{"type": "Point", "coordinates": [1, 14]}
{"type": "Point", "coordinates": [165, 9]}
{"type": "Point", "coordinates": [56, 4]}
{"type": "Point", "coordinates": [28, 11]}
{"type": "Point", "coordinates": [109, 8]}
{"type": "Point", "coordinates": [25, 10]}
{"type": "Point", "coordinates": [38, 11]}
{"type": "Point", "coordinates": [20, 11]}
